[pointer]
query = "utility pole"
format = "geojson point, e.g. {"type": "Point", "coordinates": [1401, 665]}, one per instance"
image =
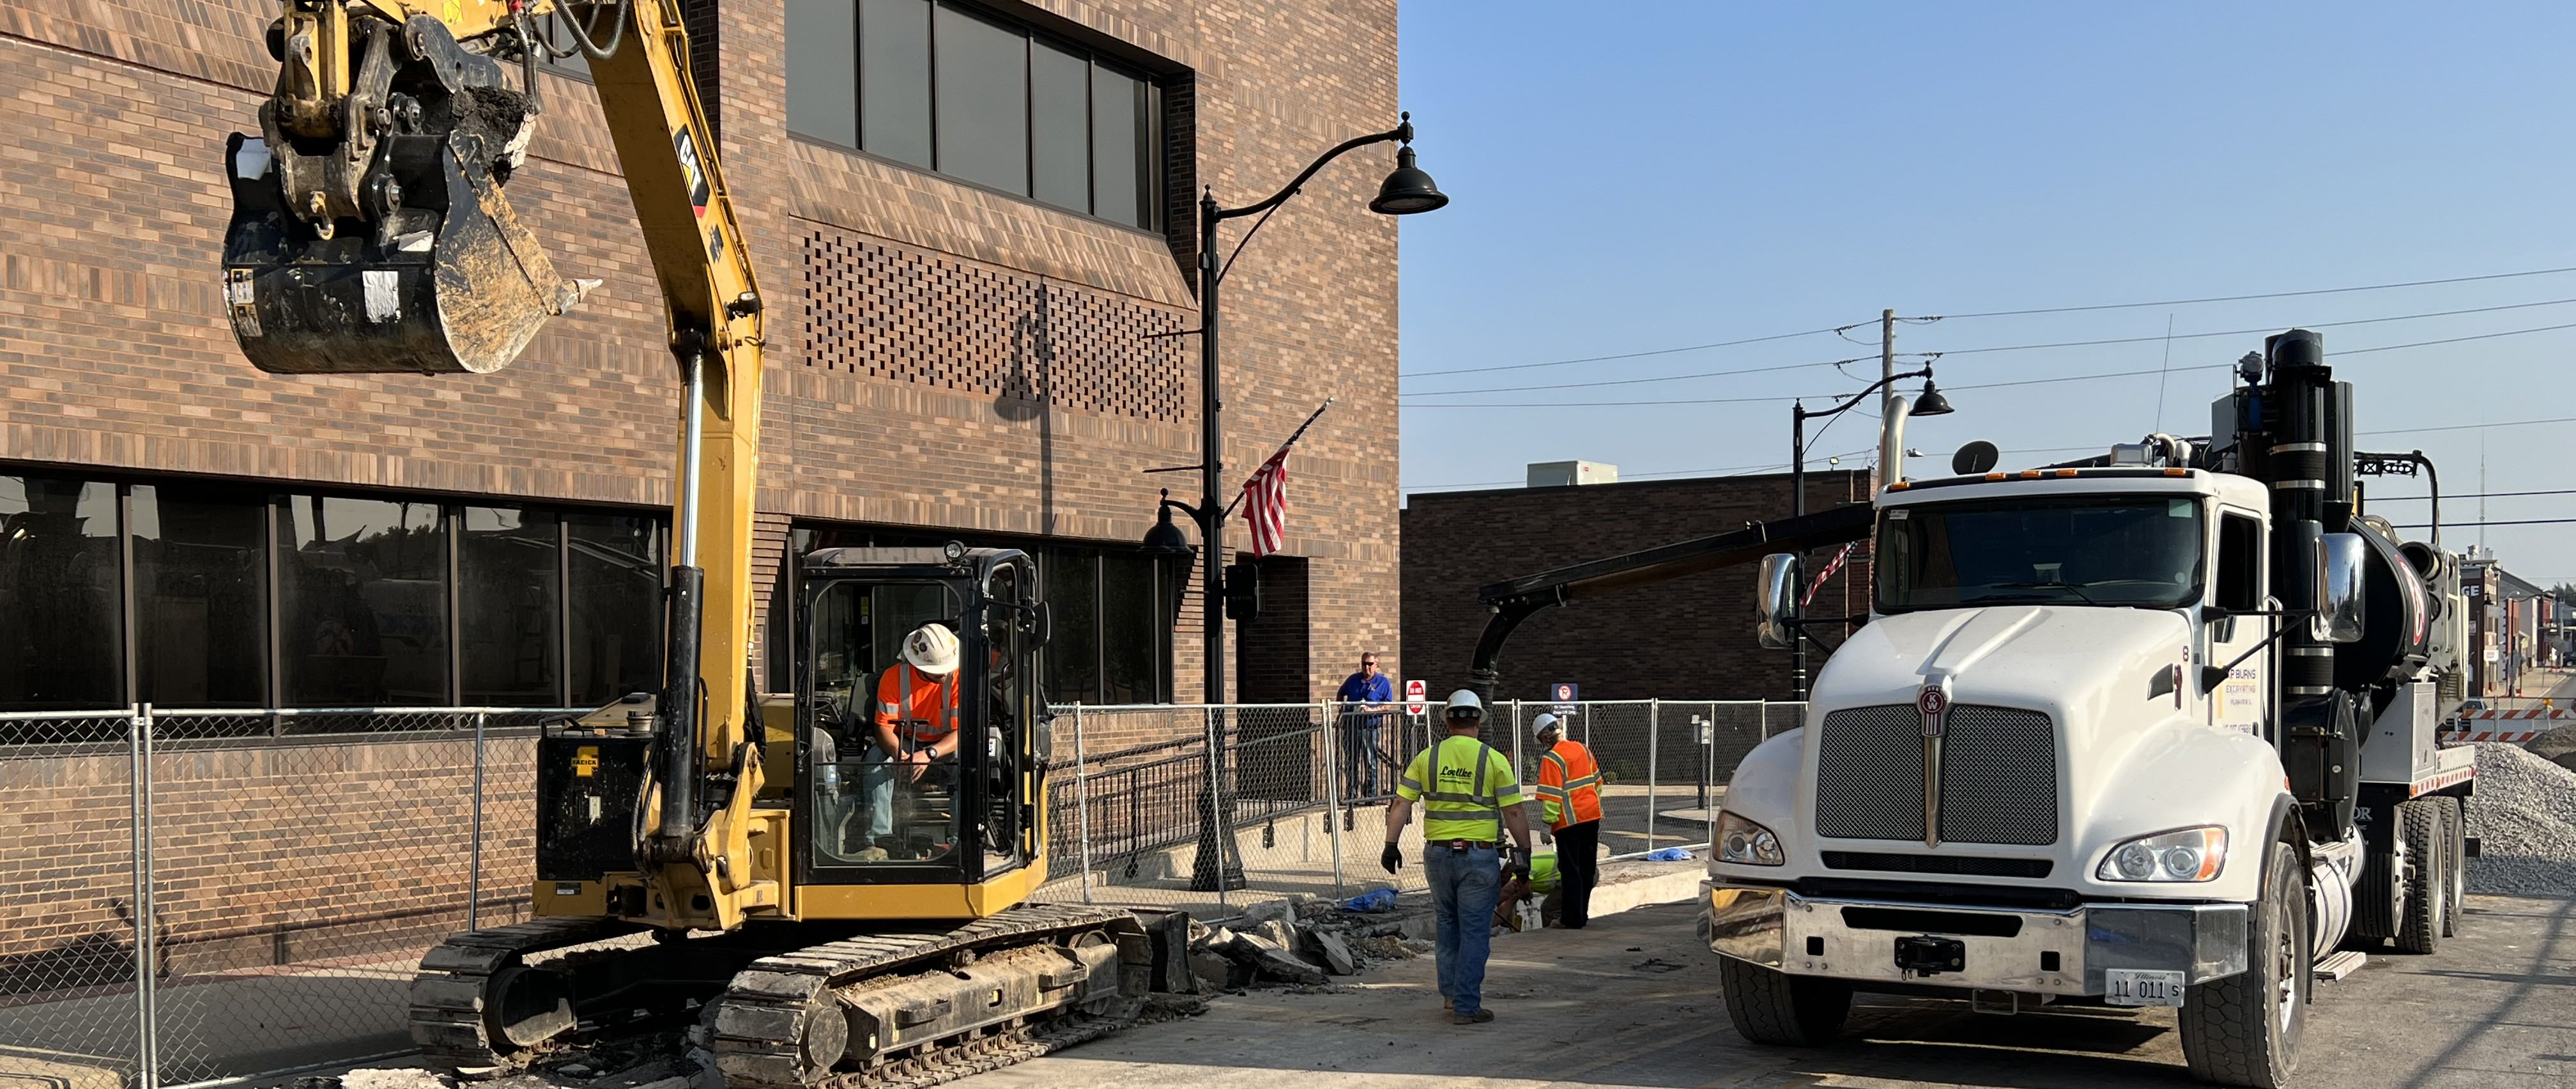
{"type": "Point", "coordinates": [1887, 374]}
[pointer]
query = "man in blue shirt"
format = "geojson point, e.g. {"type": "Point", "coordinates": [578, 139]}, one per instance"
{"type": "Point", "coordinates": [1365, 696]}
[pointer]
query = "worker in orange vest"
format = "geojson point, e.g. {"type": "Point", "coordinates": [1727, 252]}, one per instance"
{"type": "Point", "coordinates": [1569, 791]}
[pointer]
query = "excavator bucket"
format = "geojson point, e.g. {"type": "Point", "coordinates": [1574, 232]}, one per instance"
{"type": "Point", "coordinates": [387, 246]}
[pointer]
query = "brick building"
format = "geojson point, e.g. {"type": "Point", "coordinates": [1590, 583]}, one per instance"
{"type": "Point", "coordinates": [1690, 638]}
{"type": "Point", "coordinates": [971, 218]}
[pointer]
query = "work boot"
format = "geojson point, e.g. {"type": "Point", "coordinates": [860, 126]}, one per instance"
{"type": "Point", "coordinates": [1477, 1018]}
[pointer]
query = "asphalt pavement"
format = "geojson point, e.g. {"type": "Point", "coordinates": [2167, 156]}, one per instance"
{"type": "Point", "coordinates": [1633, 1001]}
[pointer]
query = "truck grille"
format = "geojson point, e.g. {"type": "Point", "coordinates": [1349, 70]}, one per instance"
{"type": "Point", "coordinates": [1998, 778]}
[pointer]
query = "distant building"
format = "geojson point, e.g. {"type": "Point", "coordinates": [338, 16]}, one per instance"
{"type": "Point", "coordinates": [1566, 474]}
{"type": "Point", "coordinates": [1687, 638]}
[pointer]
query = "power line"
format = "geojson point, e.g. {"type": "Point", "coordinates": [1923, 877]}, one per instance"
{"type": "Point", "coordinates": [1644, 476]}
{"type": "Point", "coordinates": [2250, 332]}
{"type": "Point", "coordinates": [1624, 355]}
{"type": "Point", "coordinates": [2474, 525]}
{"type": "Point", "coordinates": [2470, 427]}
{"type": "Point", "coordinates": [1640, 381]}
{"type": "Point", "coordinates": [2032, 381]}
{"type": "Point", "coordinates": [2472, 495]}
{"type": "Point", "coordinates": [2264, 295]}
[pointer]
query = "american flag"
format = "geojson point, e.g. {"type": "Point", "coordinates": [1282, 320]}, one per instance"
{"type": "Point", "coordinates": [1265, 503]}
{"type": "Point", "coordinates": [1828, 572]}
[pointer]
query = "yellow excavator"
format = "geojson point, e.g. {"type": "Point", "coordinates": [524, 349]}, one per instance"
{"type": "Point", "coordinates": [834, 891]}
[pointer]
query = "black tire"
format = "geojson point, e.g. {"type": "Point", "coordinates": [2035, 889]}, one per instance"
{"type": "Point", "coordinates": [2455, 883]}
{"type": "Point", "coordinates": [2419, 915]}
{"type": "Point", "coordinates": [1770, 1006]}
{"type": "Point", "coordinates": [2244, 1030]}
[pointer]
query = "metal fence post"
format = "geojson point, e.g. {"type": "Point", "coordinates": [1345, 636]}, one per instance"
{"type": "Point", "coordinates": [1082, 803]}
{"type": "Point", "coordinates": [1334, 764]}
{"type": "Point", "coordinates": [474, 854]}
{"type": "Point", "coordinates": [1654, 739]}
{"type": "Point", "coordinates": [147, 925]}
{"type": "Point", "coordinates": [1762, 720]}
{"type": "Point", "coordinates": [1222, 829]}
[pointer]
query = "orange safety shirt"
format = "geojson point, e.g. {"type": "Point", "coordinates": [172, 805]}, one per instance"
{"type": "Point", "coordinates": [921, 709]}
{"type": "Point", "coordinates": [1569, 784]}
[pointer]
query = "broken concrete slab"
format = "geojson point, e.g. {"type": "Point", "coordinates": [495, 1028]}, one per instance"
{"type": "Point", "coordinates": [1337, 955]}
{"type": "Point", "coordinates": [1273, 960]}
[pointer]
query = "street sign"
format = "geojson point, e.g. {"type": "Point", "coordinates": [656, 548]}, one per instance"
{"type": "Point", "coordinates": [1416, 700]}
{"type": "Point", "coordinates": [1566, 695]}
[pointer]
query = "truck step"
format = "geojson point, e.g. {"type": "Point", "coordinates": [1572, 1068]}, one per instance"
{"type": "Point", "coordinates": [2338, 965]}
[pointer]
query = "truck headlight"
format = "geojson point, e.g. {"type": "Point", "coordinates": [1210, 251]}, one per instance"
{"type": "Point", "coordinates": [1745, 843]}
{"type": "Point", "coordinates": [2191, 854]}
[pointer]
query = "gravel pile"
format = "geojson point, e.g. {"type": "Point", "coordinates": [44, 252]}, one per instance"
{"type": "Point", "coordinates": [2524, 816]}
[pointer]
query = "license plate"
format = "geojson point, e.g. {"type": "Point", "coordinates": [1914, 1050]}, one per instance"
{"type": "Point", "coordinates": [2141, 987]}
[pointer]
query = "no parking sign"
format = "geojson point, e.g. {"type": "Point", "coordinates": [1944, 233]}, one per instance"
{"type": "Point", "coordinates": [1416, 700]}
{"type": "Point", "coordinates": [1566, 695]}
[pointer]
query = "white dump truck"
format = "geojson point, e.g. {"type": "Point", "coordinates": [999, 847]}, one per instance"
{"type": "Point", "coordinates": [2156, 729]}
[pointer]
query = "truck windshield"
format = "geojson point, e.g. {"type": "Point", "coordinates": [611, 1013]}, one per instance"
{"type": "Point", "coordinates": [2138, 551]}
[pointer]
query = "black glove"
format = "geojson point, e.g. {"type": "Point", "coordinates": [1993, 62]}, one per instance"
{"type": "Point", "coordinates": [1515, 864]}
{"type": "Point", "coordinates": [1392, 858]}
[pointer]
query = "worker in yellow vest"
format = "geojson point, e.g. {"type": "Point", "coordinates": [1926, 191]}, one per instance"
{"type": "Point", "coordinates": [1569, 791]}
{"type": "Point", "coordinates": [1469, 795]}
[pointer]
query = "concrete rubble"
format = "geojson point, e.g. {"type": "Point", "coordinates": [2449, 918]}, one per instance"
{"type": "Point", "coordinates": [1299, 941]}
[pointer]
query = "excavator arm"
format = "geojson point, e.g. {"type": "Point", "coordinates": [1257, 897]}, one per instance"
{"type": "Point", "coordinates": [370, 234]}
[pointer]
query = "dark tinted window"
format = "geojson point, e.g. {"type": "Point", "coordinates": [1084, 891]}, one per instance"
{"type": "Point", "coordinates": [1059, 108]}
{"type": "Point", "coordinates": [1132, 637]}
{"type": "Point", "coordinates": [556, 31]}
{"type": "Point", "coordinates": [61, 643]}
{"type": "Point", "coordinates": [616, 618]}
{"type": "Point", "coordinates": [510, 596]}
{"type": "Point", "coordinates": [894, 79]}
{"type": "Point", "coordinates": [982, 76]}
{"type": "Point", "coordinates": [2089, 550]}
{"type": "Point", "coordinates": [1118, 168]}
{"type": "Point", "coordinates": [200, 598]}
{"type": "Point", "coordinates": [364, 603]}
{"type": "Point", "coordinates": [822, 70]}
{"type": "Point", "coordinates": [2240, 563]}
{"type": "Point", "coordinates": [1073, 654]}
{"type": "Point", "coordinates": [953, 88]}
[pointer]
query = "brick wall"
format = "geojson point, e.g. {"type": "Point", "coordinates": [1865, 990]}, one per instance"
{"type": "Point", "coordinates": [265, 854]}
{"type": "Point", "coordinates": [1690, 638]}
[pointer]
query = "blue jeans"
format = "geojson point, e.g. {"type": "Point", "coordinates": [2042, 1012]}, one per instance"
{"type": "Point", "coordinates": [1360, 755]}
{"type": "Point", "coordinates": [1464, 888]}
{"type": "Point", "coordinates": [876, 784]}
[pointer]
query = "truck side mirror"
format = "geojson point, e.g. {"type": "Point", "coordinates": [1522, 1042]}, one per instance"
{"type": "Point", "coordinates": [1775, 601]}
{"type": "Point", "coordinates": [1040, 626]}
{"type": "Point", "coordinates": [2340, 557]}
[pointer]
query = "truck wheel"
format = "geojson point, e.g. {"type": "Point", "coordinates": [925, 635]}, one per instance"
{"type": "Point", "coordinates": [1770, 1006]}
{"type": "Point", "coordinates": [2419, 918]}
{"type": "Point", "coordinates": [2455, 883]}
{"type": "Point", "coordinates": [2244, 1030]}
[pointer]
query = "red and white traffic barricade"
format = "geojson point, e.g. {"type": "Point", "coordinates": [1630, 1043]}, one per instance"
{"type": "Point", "coordinates": [2510, 726]}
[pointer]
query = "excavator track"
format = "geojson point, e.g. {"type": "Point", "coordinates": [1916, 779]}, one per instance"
{"type": "Point", "coordinates": [786, 1020]}
{"type": "Point", "coordinates": [452, 1018]}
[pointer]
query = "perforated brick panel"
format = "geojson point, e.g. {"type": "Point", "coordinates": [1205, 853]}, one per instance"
{"type": "Point", "coordinates": [889, 313]}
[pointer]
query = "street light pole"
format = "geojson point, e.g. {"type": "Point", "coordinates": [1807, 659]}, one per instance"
{"type": "Point", "coordinates": [1406, 190]}
{"type": "Point", "coordinates": [1931, 404]}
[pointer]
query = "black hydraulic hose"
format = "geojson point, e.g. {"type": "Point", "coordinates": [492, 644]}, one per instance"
{"type": "Point", "coordinates": [584, 34]}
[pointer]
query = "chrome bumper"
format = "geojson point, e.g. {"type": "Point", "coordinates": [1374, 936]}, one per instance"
{"type": "Point", "coordinates": [2032, 952]}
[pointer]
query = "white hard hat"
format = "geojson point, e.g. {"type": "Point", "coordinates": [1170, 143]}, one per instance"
{"type": "Point", "coordinates": [1546, 723]}
{"type": "Point", "coordinates": [931, 648]}
{"type": "Point", "coordinates": [1464, 704]}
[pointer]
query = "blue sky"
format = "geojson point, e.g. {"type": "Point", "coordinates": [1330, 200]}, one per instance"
{"type": "Point", "coordinates": [1645, 176]}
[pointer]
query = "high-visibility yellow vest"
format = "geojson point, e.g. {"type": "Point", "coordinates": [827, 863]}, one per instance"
{"type": "Point", "coordinates": [1465, 800]}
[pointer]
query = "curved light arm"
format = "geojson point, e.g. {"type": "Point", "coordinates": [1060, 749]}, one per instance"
{"type": "Point", "coordinates": [1856, 398]}
{"type": "Point", "coordinates": [1402, 132]}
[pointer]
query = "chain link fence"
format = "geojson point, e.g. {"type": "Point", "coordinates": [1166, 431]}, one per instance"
{"type": "Point", "coordinates": [191, 896]}
{"type": "Point", "coordinates": [195, 896]}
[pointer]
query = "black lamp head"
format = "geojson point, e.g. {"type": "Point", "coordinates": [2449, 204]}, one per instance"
{"type": "Point", "coordinates": [1931, 403]}
{"type": "Point", "coordinates": [1408, 190]}
{"type": "Point", "coordinates": [1166, 538]}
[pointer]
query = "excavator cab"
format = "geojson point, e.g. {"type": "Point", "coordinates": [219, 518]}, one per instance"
{"type": "Point", "coordinates": [369, 233]}
{"type": "Point", "coordinates": [925, 782]}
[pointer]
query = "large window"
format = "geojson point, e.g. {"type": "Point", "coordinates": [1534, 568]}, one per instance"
{"type": "Point", "coordinates": [239, 598]}
{"type": "Point", "coordinates": [2143, 551]}
{"type": "Point", "coordinates": [60, 595]}
{"type": "Point", "coordinates": [952, 88]}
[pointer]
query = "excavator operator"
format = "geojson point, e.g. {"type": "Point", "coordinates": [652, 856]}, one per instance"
{"type": "Point", "coordinates": [915, 725]}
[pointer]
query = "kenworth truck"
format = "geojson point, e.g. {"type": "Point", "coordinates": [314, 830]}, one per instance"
{"type": "Point", "coordinates": [2155, 729]}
